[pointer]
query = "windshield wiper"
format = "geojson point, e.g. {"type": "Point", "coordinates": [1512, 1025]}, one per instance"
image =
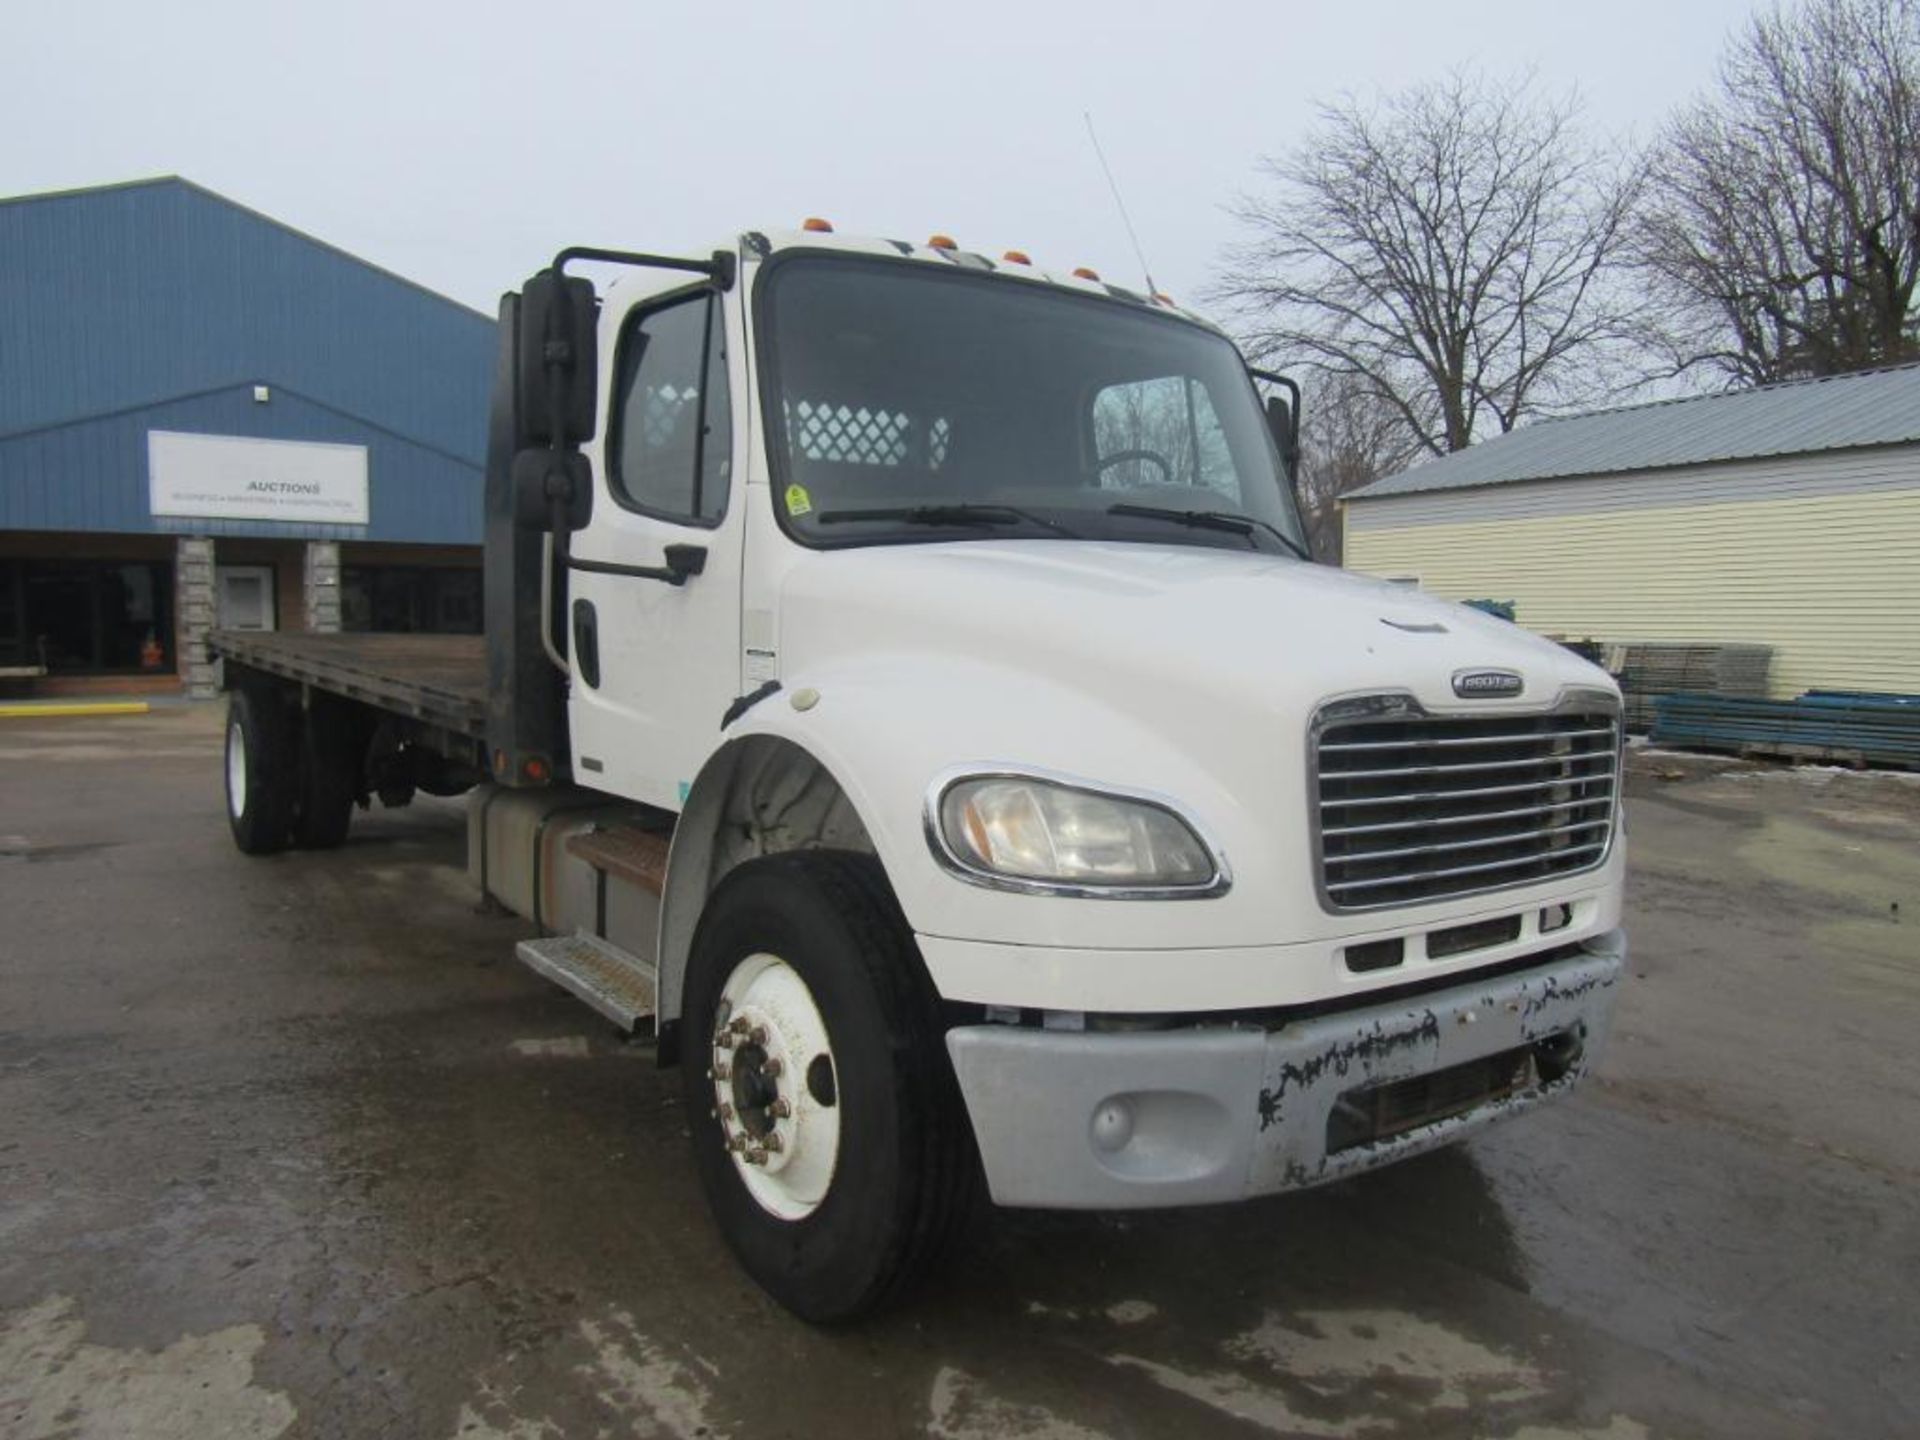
{"type": "Point", "coordinates": [961, 516]}
{"type": "Point", "coordinates": [1227, 520]}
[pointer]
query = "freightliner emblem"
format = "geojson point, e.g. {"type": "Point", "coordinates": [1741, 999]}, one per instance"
{"type": "Point", "coordinates": [1486, 684]}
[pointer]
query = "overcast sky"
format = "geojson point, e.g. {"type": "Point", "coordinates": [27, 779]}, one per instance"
{"type": "Point", "coordinates": [462, 144]}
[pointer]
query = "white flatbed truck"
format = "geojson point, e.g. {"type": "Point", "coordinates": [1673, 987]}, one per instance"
{"type": "Point", "coordinates": [905, 687]}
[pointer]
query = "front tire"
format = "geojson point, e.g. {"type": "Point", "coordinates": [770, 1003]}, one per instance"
{"type": "Point", "coordinates": [262, 771]}
{"type": "Point", "coordinates": [827, 1128]}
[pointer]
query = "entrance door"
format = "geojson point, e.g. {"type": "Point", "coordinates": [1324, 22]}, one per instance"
{"type": "Point", "coordinates": [655, 665]}
{"type": "Point", "coordinates": [244, 597]}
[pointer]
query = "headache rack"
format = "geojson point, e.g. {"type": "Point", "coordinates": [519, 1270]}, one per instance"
{"type": "Point", "coordinates": [1411, 807]}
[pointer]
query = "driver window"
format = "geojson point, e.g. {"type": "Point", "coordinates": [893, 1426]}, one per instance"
{"type": "Point", "coordinates": [669, 450]}
{"type": "Point", "coordinates": [1161, 432]}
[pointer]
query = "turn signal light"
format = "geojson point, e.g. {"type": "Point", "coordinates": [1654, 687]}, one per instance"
{"type": "Point", "coordinates": [942, 242]}
{"type": "Point", "coordinates": [818, 226]}
{"type": "Point", "coordinates": [1086, 272]}
{"type": "Point", "coordinates": [1017, 257]}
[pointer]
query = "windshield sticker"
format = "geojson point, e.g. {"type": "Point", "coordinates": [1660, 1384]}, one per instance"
{"type": "Point", "coordinates": [798, 501]}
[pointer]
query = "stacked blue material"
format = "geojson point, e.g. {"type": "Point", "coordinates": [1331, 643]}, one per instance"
{"type": "Point", "coordinates": [1852, 727]}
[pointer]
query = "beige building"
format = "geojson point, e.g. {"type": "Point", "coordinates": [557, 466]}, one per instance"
{"type": "Point", "coordinates": [1786, 516]}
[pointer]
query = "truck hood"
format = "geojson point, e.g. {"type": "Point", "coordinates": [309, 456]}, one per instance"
{"type": "Point", "coordinates": [1151, 627]}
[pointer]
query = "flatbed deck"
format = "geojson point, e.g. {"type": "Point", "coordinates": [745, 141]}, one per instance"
{"type": "Point", "coordinates": [440, 680]}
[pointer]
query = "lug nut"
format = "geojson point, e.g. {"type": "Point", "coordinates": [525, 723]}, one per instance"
{"type": "Point", "coordinates": [772, 1069]}
{"type": "Point", "coordinates": [726, 1112]}
{"type": "Point", "coordinates": [757, 1157]}
{"type": "Point", "coordinates": [741, 1025]}
{"type": "Point", "coordinates": [723, 1041]}
{"type": "Point", "coordinates": [773, 1144]}
{"type": "Point", "coordinates": [780, 1109]}
{"type": "Point", "coordinates": [758, 1035]}
{"type": "Point", "coordinates": [736, 1142]}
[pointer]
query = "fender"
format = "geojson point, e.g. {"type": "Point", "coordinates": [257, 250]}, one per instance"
{"type": "Point", "coordinates": [883, 728]}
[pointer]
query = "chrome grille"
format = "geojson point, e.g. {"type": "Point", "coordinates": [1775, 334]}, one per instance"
{"type": "Point", "coordinates": [1414, 807]}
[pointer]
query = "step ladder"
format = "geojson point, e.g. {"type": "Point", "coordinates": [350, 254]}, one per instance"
{"type": "Point", "coordinates": [619, 984]}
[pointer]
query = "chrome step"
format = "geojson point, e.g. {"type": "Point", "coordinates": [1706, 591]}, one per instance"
{"type": "Point", "coordinates": [617, 984]}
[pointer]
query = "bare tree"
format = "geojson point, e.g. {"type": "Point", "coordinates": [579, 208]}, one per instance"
{"type": "Point", "coordinates": [1349, 438]}
{"type": "Point", "coordinates": [1448, 250]}
{"type": "Point", "coordinates": [1782, 220]}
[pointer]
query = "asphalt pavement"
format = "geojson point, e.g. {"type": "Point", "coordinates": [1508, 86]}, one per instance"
{"type": "Point", "coordinates": [293, 1147]}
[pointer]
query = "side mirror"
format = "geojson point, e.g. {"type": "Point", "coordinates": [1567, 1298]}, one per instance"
{"type": "Point", "coordinates": [1284, 421]}
{"type": "Point", "coordinates": [550, 485]}
{"type": "Point", "coordinates": [556, 367]}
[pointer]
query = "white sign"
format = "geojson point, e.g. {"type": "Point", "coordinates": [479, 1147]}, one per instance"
{"type": "Point", "coordinates": [233, 477]}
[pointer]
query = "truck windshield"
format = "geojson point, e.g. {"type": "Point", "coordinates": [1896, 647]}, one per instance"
{"type": "Point", "coordinates": [910, 403]}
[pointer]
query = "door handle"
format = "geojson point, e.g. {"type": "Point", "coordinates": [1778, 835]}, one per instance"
{"type": "Point", "coordinates": [586, 642]}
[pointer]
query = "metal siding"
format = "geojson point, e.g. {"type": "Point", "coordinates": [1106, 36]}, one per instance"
{"type": "Point", "coordinates": [1832, 583]}
{"type": "Point", "coordinates": [1874, 407]}
{"type": "Point", "coordinates": [132, 297]}
{"type": "Point", "coordinates": [93, 476]}
{"type": "Point", "coordinates": [1887, 467]}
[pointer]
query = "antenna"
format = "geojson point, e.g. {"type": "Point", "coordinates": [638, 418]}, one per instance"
{"type": "Point", "coordinates": [1119, 204]}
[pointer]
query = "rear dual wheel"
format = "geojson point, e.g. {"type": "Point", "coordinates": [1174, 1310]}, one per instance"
{"type": "Point", "coordinates": [329, 776]}
{"type": "Point", "coordinates": [291, 779]}
{"type": "Point", "coordinates": [827, 1128]}
{"type": "Point", "coordinates": [262, 771]}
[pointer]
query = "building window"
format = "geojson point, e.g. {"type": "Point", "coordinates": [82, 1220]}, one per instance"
{"type": "Point", "coordinates": [427, 599]}
{"type": "Point", "coordinates": [77, 617]}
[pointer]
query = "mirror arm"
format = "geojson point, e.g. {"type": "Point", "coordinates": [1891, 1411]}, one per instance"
{"type": "Point", "coordinates": [718, 267]}
{"type": "Point", "coordinates": [683, 561]}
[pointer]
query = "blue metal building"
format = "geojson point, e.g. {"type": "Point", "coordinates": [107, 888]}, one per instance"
{"type": "Point", "coordinates": [209, 417]}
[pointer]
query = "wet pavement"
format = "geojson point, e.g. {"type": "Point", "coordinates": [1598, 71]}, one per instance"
{"type": "Point", "coordinates": [293, 1147]}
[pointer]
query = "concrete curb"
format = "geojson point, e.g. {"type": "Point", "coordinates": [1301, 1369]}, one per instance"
{"type": "Point", "coordinates": [53, 708]}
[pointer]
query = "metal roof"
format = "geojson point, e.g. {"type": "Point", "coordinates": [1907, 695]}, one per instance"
{"type": "Point", "coordinates": [158, 304]}
{"type": "Point", "coordinates": [1835, 412]}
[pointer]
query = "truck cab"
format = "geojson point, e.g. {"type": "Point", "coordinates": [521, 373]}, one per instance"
{"type": "Point", "coordinates": [909, 686]}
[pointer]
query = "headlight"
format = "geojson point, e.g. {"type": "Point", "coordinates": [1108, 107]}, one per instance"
{"type": "Point", "coordinates": [1026, 833]}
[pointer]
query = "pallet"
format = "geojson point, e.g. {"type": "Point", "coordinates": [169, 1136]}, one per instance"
{"type": "Point", "coordinates": [1848, 729]}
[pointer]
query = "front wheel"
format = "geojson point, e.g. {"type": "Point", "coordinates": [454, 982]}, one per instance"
{"type": "Point", "coordinates": [827, 1128]}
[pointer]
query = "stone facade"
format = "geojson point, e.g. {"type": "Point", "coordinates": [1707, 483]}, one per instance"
{"type": "Point", "coordinates": [195, 597]}
{"type": "Point", "coordinates": [322, 587]}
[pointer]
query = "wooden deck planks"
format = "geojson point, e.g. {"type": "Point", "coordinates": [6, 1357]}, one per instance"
{"type": "Point", "coordinates": [438, 678]}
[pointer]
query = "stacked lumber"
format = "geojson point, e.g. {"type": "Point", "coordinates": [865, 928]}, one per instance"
{"type": "Point", "coordinates": [1647, 670]}
{"type": "Point", "coordinates": [1844, 727]}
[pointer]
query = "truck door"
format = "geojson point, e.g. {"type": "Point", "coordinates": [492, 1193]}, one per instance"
{"type": "Point", "coordinates": [656, 663]}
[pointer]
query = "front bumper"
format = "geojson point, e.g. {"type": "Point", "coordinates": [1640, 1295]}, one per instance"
{"type": "Point", "coordinates": [1202, 1115]}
